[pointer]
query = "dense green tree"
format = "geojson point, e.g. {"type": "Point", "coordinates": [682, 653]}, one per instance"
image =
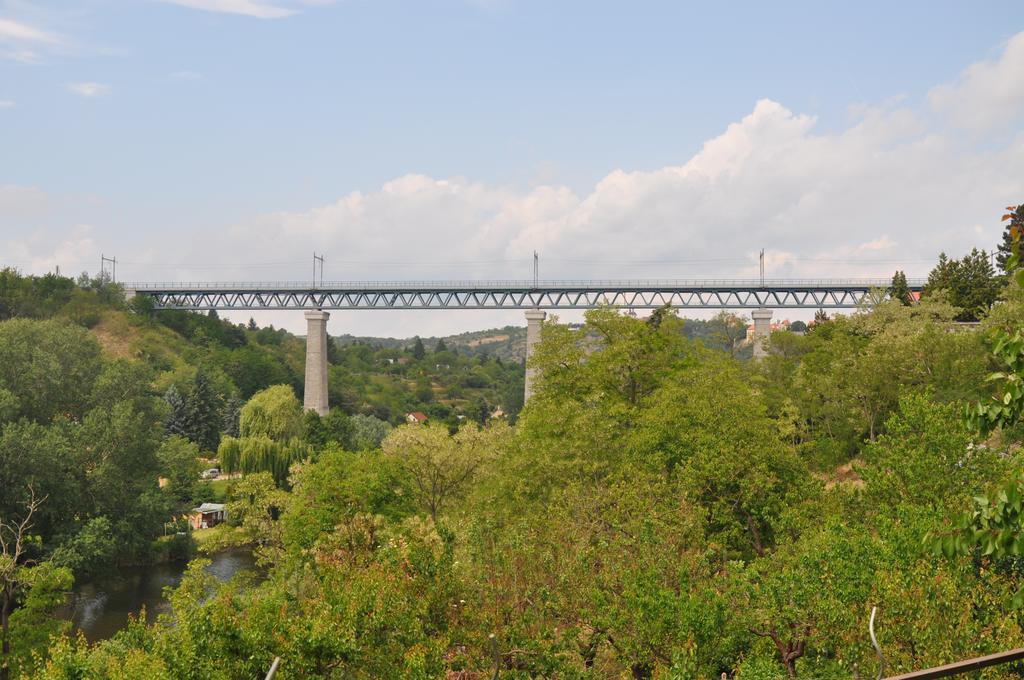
{"type": "Point", "coordinates": [418, 352]}
{"type": "Point", "coordinates": [179, 464]}
{"type": "Point", "coordinates": [177, 417]}
{"type": "Point", "coordinates": [368, 432]}
{"type": "Point", "coordinates": [252, 368]}
{"type": "Point", "coordinates": [36, 622]}
{"type": "Point", "coordinates": [119, 450]}
{"type": "Point", "coordinates": [336, 427]}
{"type": "Point", "coordinates": [32, 296]}
{"type": "Point", "coordinates": [47, 367]}
{"type": "Point", "coordinates": [925, 458]}
{"type": "Point", "coordinates": [970, 283]}
{"type": "Point", "coordinates": [708, 427]}
{"type": "Point", "coordinates": [203, 413]}
{"type": "Point", "coordinates": [726, 331]}
{"type": "Point", "coordinates": [42, 460]}
{"type": "Point", "coordinates": [91, 550]}
{"type": "Point", "coordinates": [341, 485]}
{"type": "Point", "coordinates": [899, 290]}
{"type": "Point", "coordinates": [781, 599]}
{"type": "Point", "coordinates": [274, 413]}
{"type": "Point", "coordinates": [441, 466]}
{"type": "Point", "coordinates": [230, 415]}
{"type": "Point", "coordinates": [36, 588]}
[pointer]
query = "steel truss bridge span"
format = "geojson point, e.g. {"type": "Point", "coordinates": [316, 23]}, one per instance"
{"type": "Point", "coordinates": [638, 294]}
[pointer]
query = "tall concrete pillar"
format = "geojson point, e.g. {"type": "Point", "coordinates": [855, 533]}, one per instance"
{"type": "Point", "coordinates": [762, 331]}
{"type": "Point", "coordinates": [533, 320]}
{"type": "Point", "coordinates": [315, 397]}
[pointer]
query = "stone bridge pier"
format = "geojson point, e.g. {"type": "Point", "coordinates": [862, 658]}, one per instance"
{"type": "Point", "coordinates": [534, 317]}
{"type": "Point", "coordinates": [315, 395]}
{"type": "Point", "coordinates": [762, 331]}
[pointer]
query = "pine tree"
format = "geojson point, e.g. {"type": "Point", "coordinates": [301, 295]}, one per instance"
{"type": "Point", "coordinates": [203, 413]}
{"type": "Point", "coordinates": [418, 352]}
{"type": "Point", "coordinates": [177, 420]}
{"type": "Point", "coordinates": [820, 316]}
{"type": "Point", "coordinates": [942, 276]}
{"type": "Point", "coordinates": [970, 282]}
{"type": "Point", "coordinates": [333, 351]}
{"type": "Point", "coordinates": [229, 419]}
{"type": "Point", "coordinates": [252, 324]}
{"type": "Point", "coordinates": [1012, 235]}
{"type": "Point", "coordinates": [978, 286]}
{"type": "Point", "coordinates": [899, 290]}
{"type": "Point", "coordinates": [440, 347]}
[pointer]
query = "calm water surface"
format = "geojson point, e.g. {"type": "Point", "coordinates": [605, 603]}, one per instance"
{"type": "Point", "coordinates": [101, 607]}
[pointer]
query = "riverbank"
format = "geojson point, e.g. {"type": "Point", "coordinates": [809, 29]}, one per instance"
{"type": "Point", "coordinates": [102, 606]}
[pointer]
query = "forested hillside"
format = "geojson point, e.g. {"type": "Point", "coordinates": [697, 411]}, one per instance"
{"type": "Point", "coordinates": [663, 507]}
{"type": "Point", "coordinates": [660, 510]}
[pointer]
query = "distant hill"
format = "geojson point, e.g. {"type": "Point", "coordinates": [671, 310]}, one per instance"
{"type": "Point", "coordinates": [508, 343]}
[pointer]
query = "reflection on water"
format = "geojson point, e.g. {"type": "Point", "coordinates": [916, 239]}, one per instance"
{"type": "Point", "coordinates": [101, 607]}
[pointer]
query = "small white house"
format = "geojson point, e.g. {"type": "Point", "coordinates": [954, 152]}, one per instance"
{"type": "Point", "coordinates": [207, 515]}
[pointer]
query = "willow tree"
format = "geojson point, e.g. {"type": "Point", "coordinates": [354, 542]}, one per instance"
{"type": "Point", "coordinates": [274, 413]}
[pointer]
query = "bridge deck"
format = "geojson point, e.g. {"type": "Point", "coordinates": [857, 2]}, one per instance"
{"type": "Point", "coordinates": [640, 294]}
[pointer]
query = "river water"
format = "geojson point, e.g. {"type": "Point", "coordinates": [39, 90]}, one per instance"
{"type": "Point", "coordinates": [101, 607]}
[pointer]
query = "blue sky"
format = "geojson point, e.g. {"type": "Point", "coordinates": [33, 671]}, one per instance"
{"type": "Point", "coordinates": [201, 138]}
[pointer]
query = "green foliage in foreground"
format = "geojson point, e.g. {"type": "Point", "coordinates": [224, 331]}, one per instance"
{"type": "Point", "coordinates": [660, 510]}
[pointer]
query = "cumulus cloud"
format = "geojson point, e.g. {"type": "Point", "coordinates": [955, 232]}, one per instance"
{"type": "Point", "coordinates": [889, 190]}
{"type": "Point", "coordinates": [40, 254]}
{"type": "Point", "coordinates": [987, 93]}
{"type": "Point", "coordinates": [88, 89]}
{"type": "Point", "coordinates": [859, 201]}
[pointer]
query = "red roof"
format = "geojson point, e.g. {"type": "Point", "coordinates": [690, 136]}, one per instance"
{"type": "Point", "coordinates": [418, 416]}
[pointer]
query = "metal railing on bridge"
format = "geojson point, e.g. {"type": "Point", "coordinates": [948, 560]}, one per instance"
{"type": "Point", "coordinates": [516, 294]}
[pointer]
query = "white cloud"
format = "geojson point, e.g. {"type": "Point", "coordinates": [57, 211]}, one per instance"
{"type": "Point", "coordinates": [40, 253]}
{"type": "Point", "coordinates": [88, 89]}
{"type": "Point", "coordinates": [860, 201]}
{"type": "Point", "coordinates": [252, 8]}
{"type": "Point", "coordinates": [11, 30]}
{"type": "Point", "coordinates": [890, 190]}
{"type": "Point", "coordinates": [987, 93]}
{"type": "Point", "coordinates": [21, 41]}
{"type": "Point", "coordinates": [6, 104]}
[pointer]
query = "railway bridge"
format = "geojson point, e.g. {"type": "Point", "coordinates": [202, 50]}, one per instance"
{"type": "Point", "coordinates": [534, 296]}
